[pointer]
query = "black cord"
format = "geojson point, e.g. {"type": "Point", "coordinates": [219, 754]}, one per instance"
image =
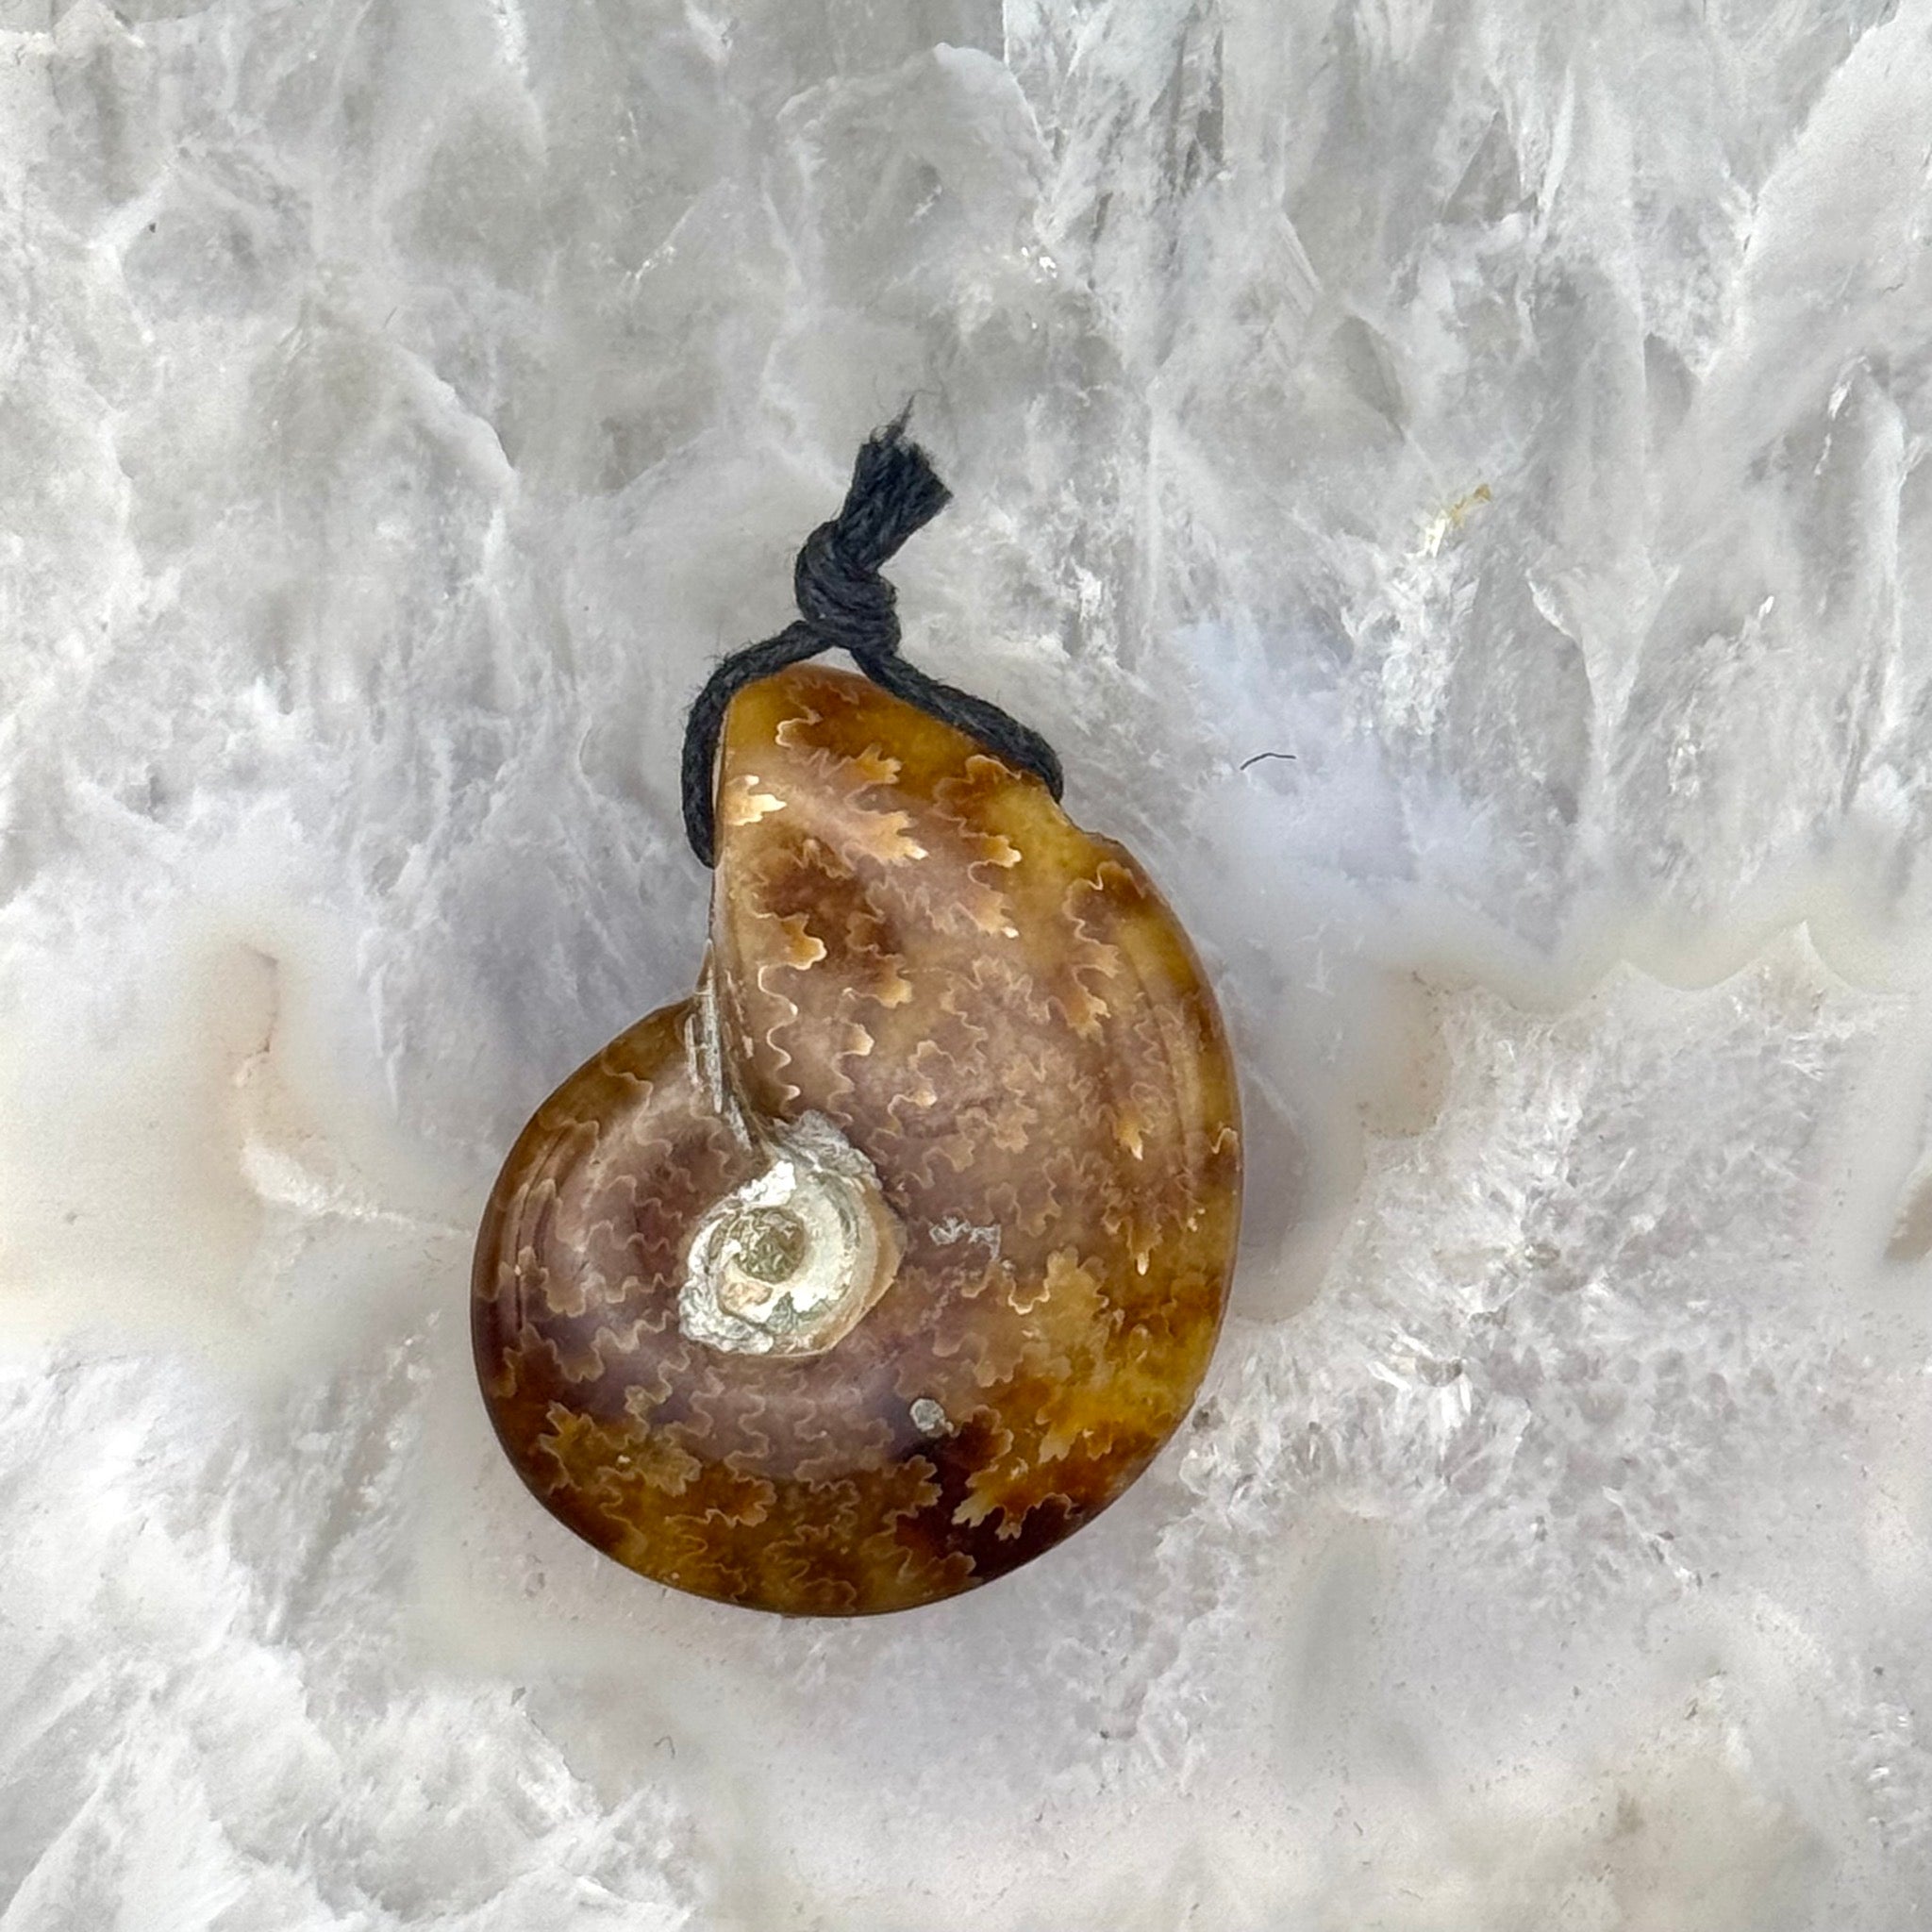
{"type": "Point", "coordinates": [845, 603]}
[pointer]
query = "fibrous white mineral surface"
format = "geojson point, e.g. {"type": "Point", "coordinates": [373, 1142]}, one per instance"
{"type": "Point", "coordinates": [1509, 418]}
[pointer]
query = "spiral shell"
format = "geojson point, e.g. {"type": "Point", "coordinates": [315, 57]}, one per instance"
{"type": "Point", "coordinates": [893, 1255]}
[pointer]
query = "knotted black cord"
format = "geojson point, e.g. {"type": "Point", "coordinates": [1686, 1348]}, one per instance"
{"type": "Point", "coordinates": [843, 602]}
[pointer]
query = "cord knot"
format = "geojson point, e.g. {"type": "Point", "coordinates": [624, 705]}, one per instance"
{"type": "Point", "coordinates": [843, 602]}
{"type": "Point", "coordinates": [842, 596]}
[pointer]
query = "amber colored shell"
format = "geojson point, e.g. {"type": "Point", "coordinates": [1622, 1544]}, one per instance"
{"type": "Point", "coordinates": [997, 1010]}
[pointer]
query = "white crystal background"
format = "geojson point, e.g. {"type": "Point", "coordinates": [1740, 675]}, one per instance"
{"type": "Point", "coordinates": [1512, 416]}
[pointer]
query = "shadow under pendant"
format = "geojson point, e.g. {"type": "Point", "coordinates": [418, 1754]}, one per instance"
{"type": "Point", "coordinates": [893, 1255]}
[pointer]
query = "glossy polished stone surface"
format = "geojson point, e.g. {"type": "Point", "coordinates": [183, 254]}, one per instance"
{"type": "Point", "coordinates": [918, 957]}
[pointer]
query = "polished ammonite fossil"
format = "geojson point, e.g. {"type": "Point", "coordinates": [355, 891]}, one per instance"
{"type": "Point", "coordinates": [893, 1253]}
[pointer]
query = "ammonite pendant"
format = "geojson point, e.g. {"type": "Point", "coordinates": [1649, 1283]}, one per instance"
{"type": "Point", "coordinates": [890, 1256]}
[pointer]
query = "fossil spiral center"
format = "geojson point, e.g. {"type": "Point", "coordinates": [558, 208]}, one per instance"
{"type": "Point", "coordinates": [788, 1262]}
{"type": "Point", "coordinates": [769, 1244]}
